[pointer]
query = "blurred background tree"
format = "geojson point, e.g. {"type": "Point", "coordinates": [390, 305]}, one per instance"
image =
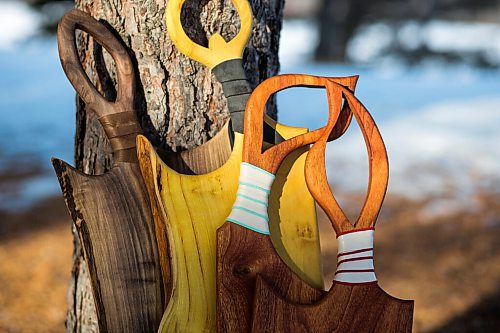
{"type": "Point", "coordinates": [340, 20]}
{"type": "Point", "coordinates": [51, 11]}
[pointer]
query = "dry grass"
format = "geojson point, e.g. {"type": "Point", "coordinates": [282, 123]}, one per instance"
{"type": "Point", "coordinates": [449, 265]}
{"type": "Point", "coordinates": [35, 266]}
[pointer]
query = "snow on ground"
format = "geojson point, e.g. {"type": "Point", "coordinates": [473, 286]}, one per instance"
{"type": "Point", "coordinates": [297, 42]}
{"type": "Point", "coordinates": [449, 151]}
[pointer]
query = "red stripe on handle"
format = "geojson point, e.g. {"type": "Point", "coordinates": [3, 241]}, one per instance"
{"type": "Point", "coordinates": [354, 252]}
{"type": "Point", "coordinates": [354, 259]}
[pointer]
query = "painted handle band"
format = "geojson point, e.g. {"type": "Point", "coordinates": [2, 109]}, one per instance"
{"type": "Point", "coordinates": [250, 207]}
{"type": "Point", "coordinates": [355, 258]}
{"type": "Point", "coordinates": [236, 89]}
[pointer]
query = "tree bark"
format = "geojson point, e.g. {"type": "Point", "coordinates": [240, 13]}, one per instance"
{"type": "Point", "coordinates": [181, 104]}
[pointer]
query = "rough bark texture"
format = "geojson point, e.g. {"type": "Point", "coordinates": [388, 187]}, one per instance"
{"type": "Point", "coordinates": [181, 103]}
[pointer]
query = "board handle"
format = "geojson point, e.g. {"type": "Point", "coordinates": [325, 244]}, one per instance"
{"type": "Point", "coordinates": [224, 58]}
{"type": "Point", "coordinates": [118, 118]}
{"type": "Point", "coordinates": [271, 158]}
{"type": "Point", "coordinates": [218, 49]}
{"type": "Point", "coordinates": [317, 182]}
{"type": "Point", "coordinates": [236, 89]}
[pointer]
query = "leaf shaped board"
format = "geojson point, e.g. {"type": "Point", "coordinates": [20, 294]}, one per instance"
{"type": "Point", "coordinates": [245, 243]}
{"type": "Point", "coordinates": [191, 208]}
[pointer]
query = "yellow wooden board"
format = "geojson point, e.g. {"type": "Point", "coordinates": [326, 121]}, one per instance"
{"type": "Point", "coordinates": [193, 207]}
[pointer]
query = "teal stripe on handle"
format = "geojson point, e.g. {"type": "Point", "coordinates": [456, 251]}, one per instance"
{"type": "Point", "coordinates": [252, 199]}
{"type": "Point", "coordinates": [251, 212]}
{"type": "Point", "coordinates": [248, 227]}
{"type": "Point", "coordinates": [255, 187]}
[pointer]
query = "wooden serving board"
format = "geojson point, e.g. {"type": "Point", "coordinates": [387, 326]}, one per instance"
{"type": "Point", "coordinates": [245, 252]}
{"type": "Point", "coordinates": [192, 207]}
{"type": "Point", "coordinates": [112, 211]}
{"type": "Point", "coordinates": [355, 303]}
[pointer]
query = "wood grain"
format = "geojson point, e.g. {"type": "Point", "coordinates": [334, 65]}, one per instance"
{"type": "Point", "coordinates": [345, 308]}
{"type": "Point", "coordinates": [194, 206]}
{"type": "Point", "coordinates": [205, 158]}
{"type": "Point", "coordinates": [112, 215]}
{"type": "Point", "coordinates": [180, 104]}
{"type": "Point", "coordinates": [112, 211]}
{"type": "Point", "coordinates": [242, 254]}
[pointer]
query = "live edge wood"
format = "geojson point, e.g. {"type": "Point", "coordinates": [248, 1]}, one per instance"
{"type": "Point", "coordinates": [112, 211]}
{"type": "Point", "coordinates": [114, 222]}
{"type": "Point", "coordinates": [344, 308]}
{"type": "Point", "coordinates": [242, 254]}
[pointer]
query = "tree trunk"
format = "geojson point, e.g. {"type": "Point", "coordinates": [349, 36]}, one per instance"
{"type": "Point", "coordinates": [181, 105]}
{"type": "Point", "coordinates": [338, 20]}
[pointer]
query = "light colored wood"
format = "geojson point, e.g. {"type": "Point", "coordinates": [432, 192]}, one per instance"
{"type": "Point", "coordinates": [218, 49]}
{"type": "Point", "coordinates": [111, 211]}
{"type": "Point", "coordinates": [202, 159]}
{"type": "Point", "coordinates": [242, 254]}
{"type": "Point", "coordinates": [194, 206]}
{"type": "Point", "coordinates": [344, 308]}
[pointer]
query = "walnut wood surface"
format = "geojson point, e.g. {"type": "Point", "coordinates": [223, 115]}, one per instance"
{"type": "Point", "coordinates": [118, 118]}
{"type": "Point", "coordinates": [112, 211]}
{"type": "Point", "coordinates": [112, 215]}
{"type": "Point", "coordinates": [345, 308]}
{"type": "Point", "coordinates": [242, 254]}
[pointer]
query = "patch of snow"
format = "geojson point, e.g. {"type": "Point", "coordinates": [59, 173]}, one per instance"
{"type": "Point", "coordinates": [17, 23]}
{"type": "Point", "coordinates": [298, 41]}
{"type": "Point", "coordinates": [461, 36]}
{"type": "Point", "coordinates": [451, 147]}
{"type": "Point", "coordinates": [371, 41]}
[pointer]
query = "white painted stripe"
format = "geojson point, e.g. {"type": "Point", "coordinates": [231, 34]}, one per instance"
{"type": "Point", "coordinates": [355, 278]}
{"type": "Point", "coordinates": [355, 241]}
{"type": "Point", "coordinates": [361, 243]}
{"type": "Point", "coordinates": [356, 255]}
{"type": "Point", "coordinates": [360, 264]}
{"type": "Point", "coordinates": [250, 206]}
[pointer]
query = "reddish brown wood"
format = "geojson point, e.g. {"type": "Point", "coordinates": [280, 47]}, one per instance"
{"type": "Point", "coordinates": [345, 308]}
{"type": "Point", "coordinates": [242, 254]}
